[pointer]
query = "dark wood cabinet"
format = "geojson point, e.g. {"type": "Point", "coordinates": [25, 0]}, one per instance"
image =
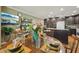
{"type": "Point", "coordinates": [72, 20]}
{"type": "Point", "coordinates": [77, 19]}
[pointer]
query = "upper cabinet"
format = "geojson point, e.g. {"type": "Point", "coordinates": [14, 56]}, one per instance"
{"type": "Point", "coordinates": [77, 19]}
{"type": "Point", "coordinates": [72, 20]}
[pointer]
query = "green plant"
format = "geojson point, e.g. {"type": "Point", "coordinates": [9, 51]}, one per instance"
{"type": "Point", "coordinates": [7, 30]}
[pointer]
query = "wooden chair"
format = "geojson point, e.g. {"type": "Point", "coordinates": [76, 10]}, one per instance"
{"type": "Point", "coordinates": [74, 44]}
{"type": "Point", "coordinates": [68, 38]}
{"type": "Point", "coordinates": [77, 39]}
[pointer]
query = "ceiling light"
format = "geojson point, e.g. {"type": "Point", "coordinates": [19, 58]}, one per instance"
{"type": "Point", "coordinates": [72, 14]}
{"type": "Point", "coordinates": [61, 9]}
{"type": "Point", "coordinates": [74, 11]}
{"type": "Point", "coordinates": [51, 12]}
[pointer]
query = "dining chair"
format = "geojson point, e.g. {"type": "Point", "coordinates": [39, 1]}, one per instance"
{"type": "Point", "coordinates": [73, 44]}
{"type": "Point", "coordinates": [77, 44]}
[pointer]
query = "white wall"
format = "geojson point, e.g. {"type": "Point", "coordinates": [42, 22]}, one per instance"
{"type": "Point", "coordinates": [0, 28]}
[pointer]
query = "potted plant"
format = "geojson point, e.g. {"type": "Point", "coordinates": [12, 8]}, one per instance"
{"type": "Point", "coordinates": [7, 30]}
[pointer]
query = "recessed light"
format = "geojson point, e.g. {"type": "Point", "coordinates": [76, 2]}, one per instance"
{"type": "Point", "coordinates": [72, 14]}
{"type": "Point", "coordinates": [74, 11]}
{"type": "Point", "coordinates": [61, 9]}
{"type": "Point", "coordinates": [51, 12]}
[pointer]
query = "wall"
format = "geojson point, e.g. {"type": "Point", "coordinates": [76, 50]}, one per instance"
{"type": "Point", "coordinates": [0, 28]}
{"type": "Point", "coordinates": [8, 10]}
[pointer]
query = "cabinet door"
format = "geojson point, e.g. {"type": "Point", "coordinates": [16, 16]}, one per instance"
{"type": "Point", "coordinates": [77, 19]}
{"type": "Point", "coordinates": [70, 21]}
